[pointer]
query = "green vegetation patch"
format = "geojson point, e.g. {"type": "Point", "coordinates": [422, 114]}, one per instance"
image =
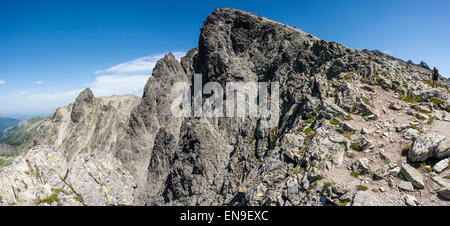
{"type": "Point", "coordinates": [355, 146]}
{"type": "Point", "coordinates": [308, 130]}
{"type": "Point", "coordinates": [354, 174]}
{"type": "Point", "coordinates": [430, 120]}
{"type": "Point", "coordinates": [326, 185]}
{"type": "Point", "coordinates": [437, 101]}
{"type": "Point", "coordinates": [21, 134]}
{"type": "Point", "coordinates": [419, 116]}
{"type": "Point", "coordinates": [310, 120]}
{"type": "Point", "coordinates": [334, 122]}
{"type": "Point", "coordinates": [5, 163]}
{"type": "Point", "coordinates": [361, 188]}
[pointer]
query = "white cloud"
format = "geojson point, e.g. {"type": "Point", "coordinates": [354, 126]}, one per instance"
{"type": "Point", "coordinates": [35, 104]}
{"type": "Point", "coordinates": [108, 85]}
{"type": "Point", "coordinates": [142, 64]}
{"type": "Point", "coordinates": [39, 82]}
{"type": "Point", "coordinates": [2, 82]}
{"type": "Point", "coordinates": [126, 78]}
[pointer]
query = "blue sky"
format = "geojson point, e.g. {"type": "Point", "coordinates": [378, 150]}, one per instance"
{"type": "Point", "coordinates": [50, 50]}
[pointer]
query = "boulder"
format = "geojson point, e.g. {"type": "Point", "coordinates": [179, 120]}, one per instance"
{"type": "Point", "coordinates": [361, 166]}
{"type": "Point", "coordinates": [395, 106]}
{"type": "Point", "coordinates": [413, 176]}
{"type": "Point", "coordinates": [411, 200]}
{"type": "Point", "coordinates": [429, 94]}
{"type": "Point", "coordinates": [445, 193]}
{"type": "Point", "coordinates": [441, 165]}
{"type": "Point", "coordinates": [429, 145]}
{"type": "Point", "coordinates": [405, 186]}
{"type": "Point", "coordinates": [364, 198]}
{"type": "Point", "coordinates": [413, 133]}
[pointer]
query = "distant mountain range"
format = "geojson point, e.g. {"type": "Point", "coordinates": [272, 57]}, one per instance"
{"type": "Point", "coordinates": [20, 132]}
{"type": "Point", "coordinates": [6, 123]}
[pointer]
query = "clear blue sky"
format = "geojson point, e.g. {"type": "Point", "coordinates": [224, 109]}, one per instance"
{"type": "Point", "coordinates": [50, 50]}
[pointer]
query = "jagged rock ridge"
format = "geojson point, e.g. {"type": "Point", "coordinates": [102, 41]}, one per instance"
{"type": "Point", "coordinates": [346, 116]}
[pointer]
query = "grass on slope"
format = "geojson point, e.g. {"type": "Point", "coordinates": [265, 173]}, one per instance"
{"type": "Point", "coordinates": [21, 133]}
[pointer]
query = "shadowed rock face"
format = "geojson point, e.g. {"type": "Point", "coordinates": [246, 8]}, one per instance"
{"type": "Point", "coordinates": [204, 161]}
{"type": "Point", "coordinates": [236, 161]}
{"type": "Point", "coordinates": [85, 98]}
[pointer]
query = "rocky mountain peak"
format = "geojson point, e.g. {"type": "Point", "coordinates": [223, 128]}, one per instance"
{"type": "Point", "coordinates": [85, 97]}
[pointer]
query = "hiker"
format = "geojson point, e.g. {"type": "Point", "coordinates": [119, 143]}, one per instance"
{"type": "Point", "coordinates": [435, 77]}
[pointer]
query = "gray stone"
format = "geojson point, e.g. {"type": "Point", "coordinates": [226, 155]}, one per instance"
{"type": "Point", "coordinates": [365, 131]}
{"type": "Point", "coordinates": [395, 171]}
{"type": "Point", "coordinates": [445, 193]}
{"type": "Point", "coordinates": [411, 200]}
{"type": "Point", "coordinates": [413, 176]}
{"type": "Point", "coordinates": [405, 186]}
{"type": "Point", "coordinates": [429, 145]}
{"type": "Point", "coordinates": [441, 181]}
{"type": "Point", "coordinates": [412, 132]}
{"type": "Point", "coordinates": [364, 198]}
{"type": "Point", "coordinates": [395, 106]}
{"type": "Point", "coordinates": [441, 165]}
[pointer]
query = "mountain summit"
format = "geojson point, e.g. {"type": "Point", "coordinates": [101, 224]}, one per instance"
{"type": "Point", "coordinates": [354, 128]}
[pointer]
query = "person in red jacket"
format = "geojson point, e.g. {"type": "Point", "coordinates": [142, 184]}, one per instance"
{"type": "Point", "coordinates": [435, 77]}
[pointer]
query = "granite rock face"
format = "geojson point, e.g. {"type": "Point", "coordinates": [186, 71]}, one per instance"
{"type": "Point", "coordinates": [44, 177]}
{"type": "Point", "coordinates": [430, 145]}
{"type": "Point", "coordinates": [89, 125]}
{"type": "Point", "coordinates": [71, 160]}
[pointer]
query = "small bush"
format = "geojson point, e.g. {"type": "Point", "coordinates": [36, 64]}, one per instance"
{"type": "Point", "coordinates": [334, 122]}
{"type": "Point", "coordinates": [361, 187]}
{"type": "Point", "coordinates": [344, 203]}
{"type": "Point", "coordinates": [310, 120]}
{"type": "Point", "coordinates": [423, 164]}
{"type": "Point", "coordinates": [430, 120]}
{"type": "Point", "coordinates": [354, 174]}
{"type": "Point", "coordinates": [437, 101]}
{"type": "Point", "coordinates": [422, 110]}
{"type": "Point", "coordinates": [418, 99]}
{"type": "Point", "coordinates": [326, 185]}
{"type": "Point", "coordinates": [79, 198]}
{"type": "Point", "coordinates": [348, 117]}
{"type": "Point", "coordinates": [355, 108]}
{"type": "Point", "coordinates": [419, 116]}
{"type": "Point", "coordinates": [410, 99]}
{"type": "Point", "coordinates": [308, 130]}
{"type": "Point", "coordinates": [355, 146]}
{"type": "Point", "coordinates": [4, 163]}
